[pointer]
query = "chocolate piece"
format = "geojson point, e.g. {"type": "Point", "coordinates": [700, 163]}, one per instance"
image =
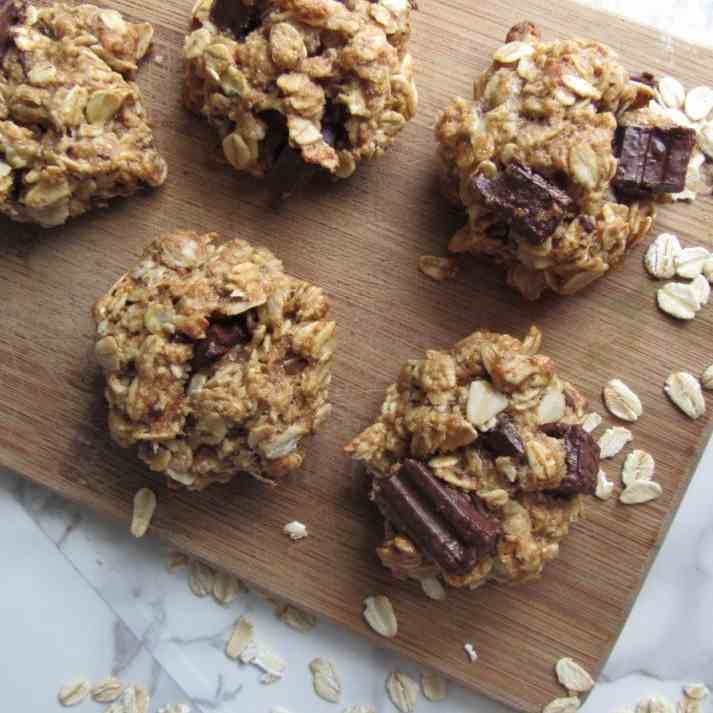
{"type": "Point", "coordinates": [652, 160]}
{"type": "Point", "coordinates": [646, 78]}
{"type": "Point", "coordinates": [532, 205]}
{"type": "Point", "coordinates": [442, 522]}
{"type": "Point", "coordinates": [10, 12]}
{"type": "Point", "coordinates": [472, 527]}
{"type": "Point", "coordinates": [221, 337]}
{"type": "Point", "coordinates": [581, 457]}
{"type": "Point", "coordinates": [286, 170]}
{"type": "Point", "coordinates": [410, 513]}
{"type": "Point", "coordinates": [334, 130]}
{"type": "Point", "coordinates": [238, 17]}
{"type": "Point", "coordinates": [522, 32]}
{"type": "Point", "coordinates": [503, 440]}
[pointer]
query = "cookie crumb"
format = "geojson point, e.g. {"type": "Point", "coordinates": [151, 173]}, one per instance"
{"type": "Point", "coordinates": [295, 530]}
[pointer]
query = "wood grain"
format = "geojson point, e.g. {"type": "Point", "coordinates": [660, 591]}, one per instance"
{"type": "Point", "coordinates": [360, 240]}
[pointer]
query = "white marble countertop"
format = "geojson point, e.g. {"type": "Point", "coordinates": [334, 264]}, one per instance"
{"type": "Point", "coordinates": [81, 597]}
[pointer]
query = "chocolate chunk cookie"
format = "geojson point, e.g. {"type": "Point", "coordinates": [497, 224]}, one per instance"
{"type": "Point", "coordinates": [478, 462]}
{"type": "Point", "coordinates": [217, 362]}
{"type": "Point", "coordinates": [73, 127]}
{"type": "Point", "coordinates": [557, 161]}
{"type": "Point", "coordinates": [295, 87]}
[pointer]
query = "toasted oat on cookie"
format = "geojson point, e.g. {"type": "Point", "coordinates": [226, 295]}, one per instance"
{"type": "Point", "coordinates": [73, 128]}
{"type": "Point", "coordinates": [217, 362]}
{"type": "Point", "coordinates": [297, 87]}
{"type": "Point", "coordinates": [478, 462]}
{"type": "Point", "coordinates": [558, 162]}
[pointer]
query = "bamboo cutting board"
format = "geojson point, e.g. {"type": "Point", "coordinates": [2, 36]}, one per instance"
{"type": "Point", "coordinates": [360, 240]}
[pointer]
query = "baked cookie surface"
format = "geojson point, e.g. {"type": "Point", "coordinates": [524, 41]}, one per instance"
{"type": "Point", "coordinates": [217, 362]}
{"type": "Point", "coordinates": [73, 128]}
{"type": "Point", "coordinates": [557, 162]}
{"type": "Point", "coordinates": [478, 462]}
{"type": "Point", "coordinates": [295, 86]}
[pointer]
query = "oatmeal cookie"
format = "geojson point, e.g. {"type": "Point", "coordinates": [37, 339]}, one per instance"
{"type": "Point", "coordinates": [558, 162]}
{"type": "Point", "coordinates": [217, 362]}
{"type": "Point", "coordinates": [478, 462]}
{"type": "Point", "coordinates": [298, 86]}
{"type": "Point", "coordinates": [73, 129]}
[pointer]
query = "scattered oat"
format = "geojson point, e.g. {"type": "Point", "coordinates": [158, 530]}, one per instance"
{"type": "Point", "coordinates": [438, 268]}
{"type": "Point", "coordinates": [134, 699]}
{"type": "Point", "coordinates": [200, 578]}
{"type": "Point", "coordinates": [325, 680]}
{"type": "Point", "coordinates": [562, 705]}
{"type": "Point", "coordinates": [272, 665]}
{"type": "Point", "coordinates": [702, 288]}
{"type": "Point", "coordinates": [144, 507]}
{"type": "Point", "coordinates": [175, 561]}
{"type": "Point", "coordinates": [622, 401]}
{"type": "Point", "coordinates": [379, 614]}
{"type": "Point", "coordinates": [696, 691]}
{"type": "Point", "coordinates": [671, 92]}
{"type": "Point", "coordinates": [698, 103]}
{"type": "Point", "coordinates": [690, 261]}
{"type": "Point", "coordinates": [74, 692]}
{"type": "Point", "coordinates": [640, 491]}
{"type": "Point", "coordinates": [707, 378]}
{"type": "Point", "coordinates": [226, 588]}
{"type": "Point", "coordinates": [297, 619]}
{"type": "Point", "coordinates": [613, 440]}
{"type": "Point", "coordinates": [685, 391]}
{"type": "Point", "coordinates": [708, 269]}
{"type": "Point", "coordinates": [591, 422]}
{"type": "Point", "coordinates": [240, 639]}
{"type": "Point", "coordinates": [403, 691]}
{"type": "Point", "coordinates": [678, 299]}
{"type": "Point", "coordinates": [572, 676]}
{"type": "Point", "coordinates": [434, 687]}
{"type": "Point", "coordinates": [513, 52]}
{"type": "Point", "coordinates": [471, 652]}
{"type": "Point", "coordinates": [106, 690]}
{"type": "Point", "coordinates": [360, 709]}
{"type": "Point", "coordinates": [433, 588]}
{"type": "Point", "coordinates": [175, 708]}
{"type": "Point", "coordinates": [295, 530]}
{"type": "Point", "coordinates": [639, 465]}
{"type": "Point", "coordinates": [605, 487]}
{"type": "Point", "coordinates": [654, 704]}
{"type": "Point", "coordinates": [660, 258]}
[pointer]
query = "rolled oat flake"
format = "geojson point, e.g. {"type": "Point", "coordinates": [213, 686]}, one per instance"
{"type": "Point", "coordinates": [685, 391]}
{"type": "Point", "coordinates": [403, 691]}
{"type": "Point", "coordinates": [622, 401]}
{"type": "Point", "coordinates": [74, 692]}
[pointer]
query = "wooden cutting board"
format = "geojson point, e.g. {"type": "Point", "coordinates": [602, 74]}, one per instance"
{"type": "Point", "coordinates": [360, 240]}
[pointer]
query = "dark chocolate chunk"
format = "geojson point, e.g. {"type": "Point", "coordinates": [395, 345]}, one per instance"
{"type": "Point", "coordinates": [522, 32]}
{"type": "Point", "coordinates": [334, 128]}
{"type": "Point", "coordinates": [221, 336]}
{"type": "Point", "coordinates": [10, 15]}
{"type": "Point", "coordinates": [442, 522]}
{"type": "Point", "coordinates": [646, 78]}
{"type": "Point", "coordinates": [527, 201]}
{"type": "Point", "coordinates": [410, 513]}
{"type": "Point", "coordinates": [652, 160]}
{"type": "Point", "coordinates": [286, 170]}
{"type": "Point", "coordinates": [581, 457]}
{"type": "Point", "coordinates": [471, 526]}
{"type": "Point", "coordinates": [503, 440]}
{"type": "Point", "coordinates": [236, 16]}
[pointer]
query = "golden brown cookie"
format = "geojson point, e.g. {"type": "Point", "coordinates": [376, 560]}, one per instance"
{"type": "Point", "coordinates": [298, 86]}
{"type": "Point", "coordinates": [217, 362]}
{"type": "Point", "coordinates": [478, 462]}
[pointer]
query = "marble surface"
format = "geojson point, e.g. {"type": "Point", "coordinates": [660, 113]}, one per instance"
{"type": "Point", "coordinates": [80, 597]}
